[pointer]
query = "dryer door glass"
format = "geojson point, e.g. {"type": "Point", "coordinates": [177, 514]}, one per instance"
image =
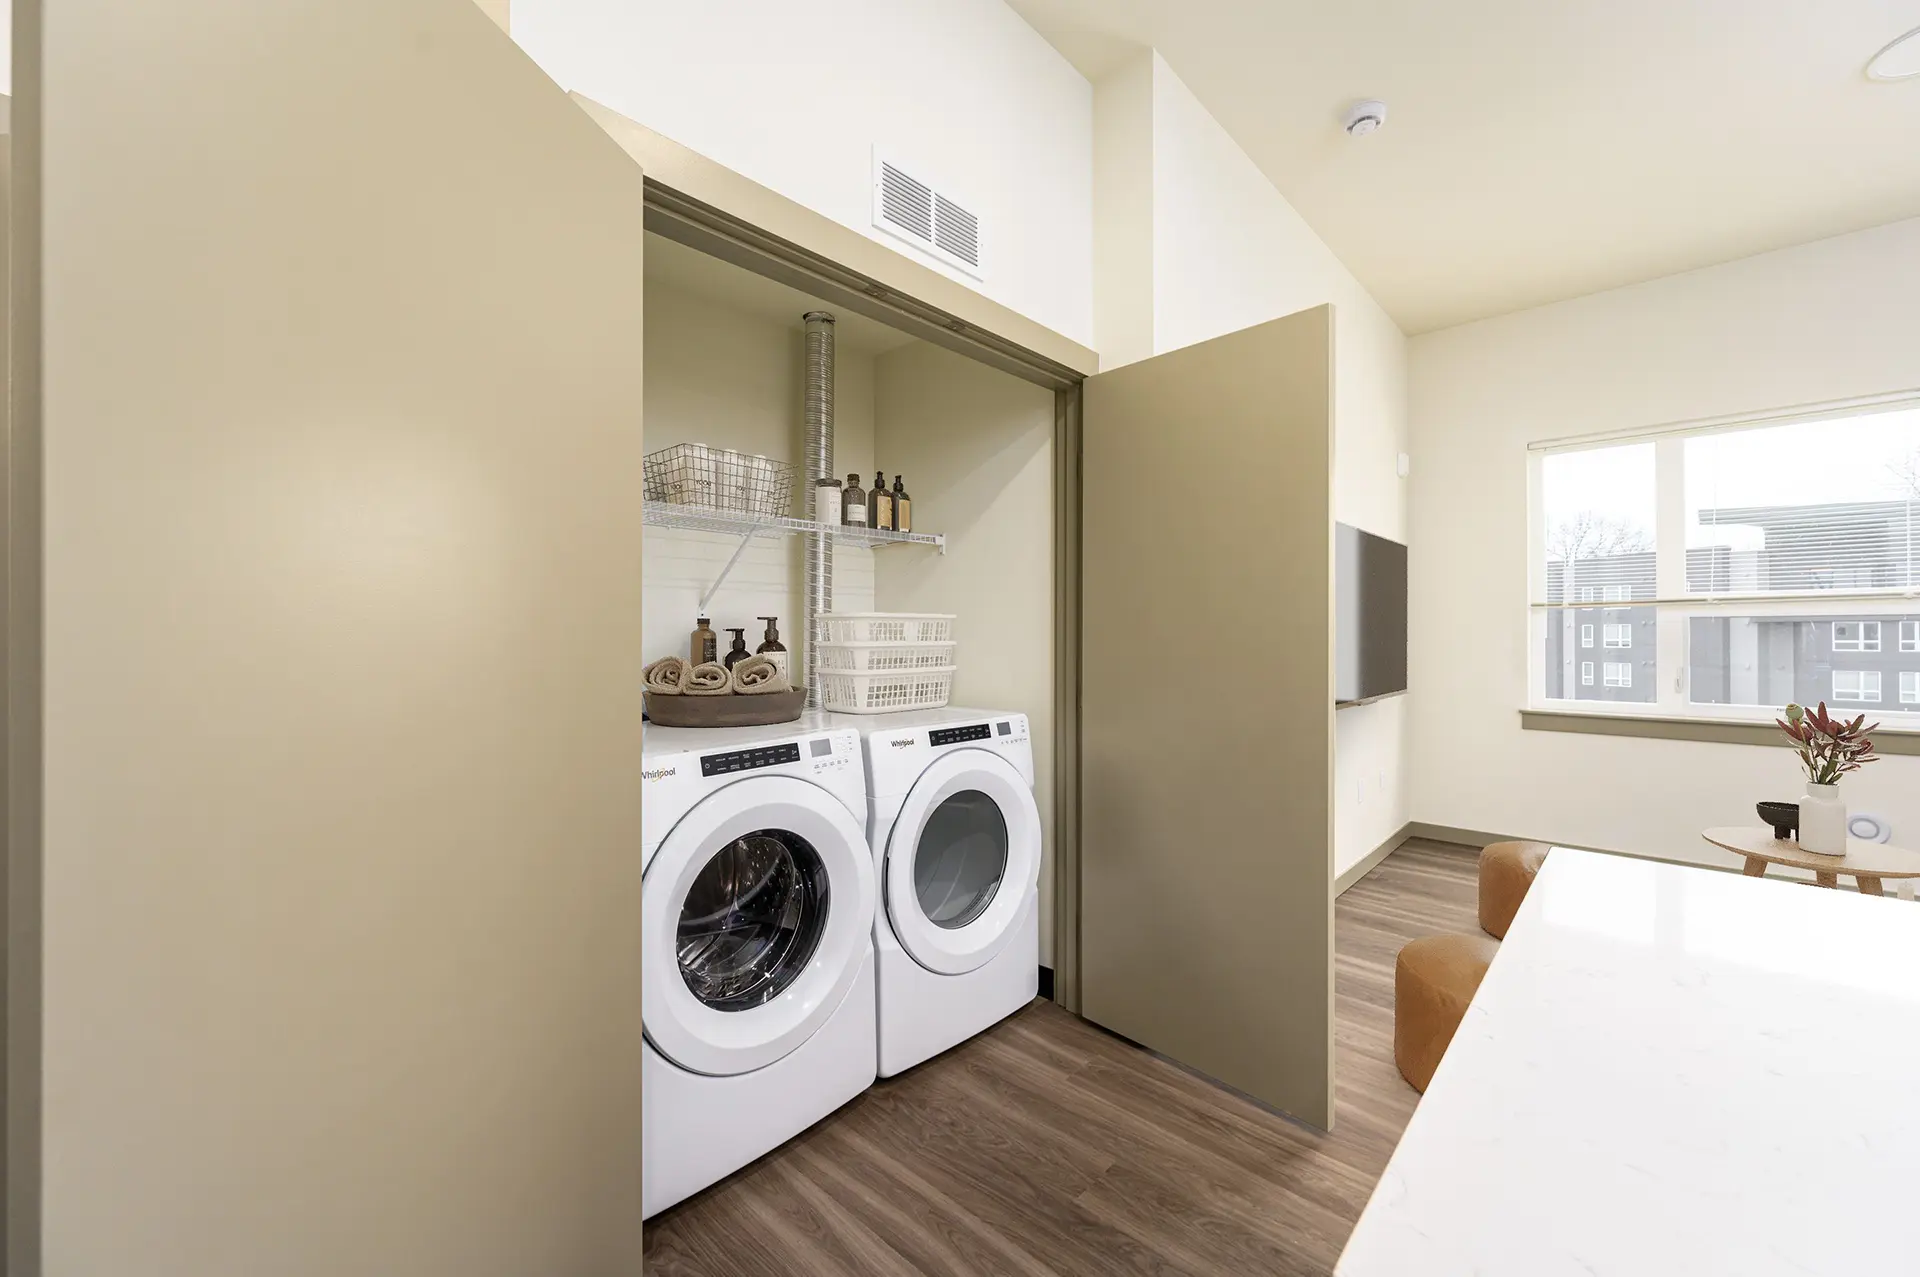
{"type": "Point", "coordinates": [961, 858]}
{"type": "Point", "coordinates": [752, 919]}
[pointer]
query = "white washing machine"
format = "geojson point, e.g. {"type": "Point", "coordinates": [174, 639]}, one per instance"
{"type": "Point", "coordinates": [956, 842]}
{"type": "Point", "coordinates": [757, 923]}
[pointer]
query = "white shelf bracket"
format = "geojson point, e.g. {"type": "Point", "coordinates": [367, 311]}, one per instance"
{"type": "Point", "coordinates": [721, 580]}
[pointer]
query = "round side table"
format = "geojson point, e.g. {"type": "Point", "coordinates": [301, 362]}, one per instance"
{"type": "Point", "coordinates": [1868, 862]}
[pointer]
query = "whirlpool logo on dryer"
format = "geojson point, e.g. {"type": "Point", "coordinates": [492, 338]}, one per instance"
{"type": "Point", "coordinates": [908, 743]}
{"type": "Point", "coordinates": [659, 773]}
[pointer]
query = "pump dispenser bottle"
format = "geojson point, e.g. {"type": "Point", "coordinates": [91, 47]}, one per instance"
{"type": "Point", "coordinates": [880, 505]}
{"type": "Point", "coordinates": [774, 650]}
{"type": "Point", "coordinates": [902, 507]}
{"type": "Point", "coordinates": [738, 652]}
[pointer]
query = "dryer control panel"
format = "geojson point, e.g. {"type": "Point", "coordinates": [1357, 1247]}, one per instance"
{"type": "Point", "coordinates": [678, 773]}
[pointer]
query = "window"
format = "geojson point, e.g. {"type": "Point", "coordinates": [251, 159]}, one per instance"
{"type": "Point", "coordinates": [1737, 563]}
{"type": "Point", "coordinates": [1910, 688]}
{"type": "Point", "coordinates": [1586, 673]}
{"type": "Point", "coordinates": [1862, 686]}
{"type": "Point", "coordinates": [1856, 636]}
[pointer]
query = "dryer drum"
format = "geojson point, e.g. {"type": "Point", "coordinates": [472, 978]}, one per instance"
{"type": "Point", "coordinates": [752, 919]}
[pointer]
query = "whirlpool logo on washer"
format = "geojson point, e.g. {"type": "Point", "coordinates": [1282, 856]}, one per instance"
{"type": "Point", "coordinates": [660, 773]}
{"type": "Point", "coordinates": [906, 743]}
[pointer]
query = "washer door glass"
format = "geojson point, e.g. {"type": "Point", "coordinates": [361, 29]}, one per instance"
{"type": "Point", "coordinates": [752, 919]}
{"type": "Point", "coordinates": [961, 859]}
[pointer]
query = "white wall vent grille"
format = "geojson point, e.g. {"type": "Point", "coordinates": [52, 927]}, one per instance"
{"type": "Point", "coordinates": [929, 220]}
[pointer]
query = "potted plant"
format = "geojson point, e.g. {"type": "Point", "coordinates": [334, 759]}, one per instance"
{"type": "Point", "coordinates": [1829, 748]}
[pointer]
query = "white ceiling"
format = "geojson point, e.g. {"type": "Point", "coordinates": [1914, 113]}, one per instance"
{"type": "Point", "coordinates": [1540, 149]}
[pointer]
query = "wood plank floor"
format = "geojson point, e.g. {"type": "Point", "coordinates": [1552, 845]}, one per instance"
{"type": "Point", "coordinates": [1049, 1146]}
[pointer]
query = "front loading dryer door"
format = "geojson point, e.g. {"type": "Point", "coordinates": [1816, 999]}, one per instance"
{"type": "Point", "coordinates": [962, 858]}
{"type": "Point", "coordinates": [757, 912]}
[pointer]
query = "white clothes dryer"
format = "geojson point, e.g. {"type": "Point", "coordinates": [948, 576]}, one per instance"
{"type": "Point", "coordinates": [757, 922]}
{"type": "Point", "coordinates": [956, 844]}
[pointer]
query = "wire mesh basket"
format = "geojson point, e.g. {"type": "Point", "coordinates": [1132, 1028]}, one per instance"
{"type": "Point", "coordinates": [697, 474]}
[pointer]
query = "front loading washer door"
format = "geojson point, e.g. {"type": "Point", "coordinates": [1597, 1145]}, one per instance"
{"type": "Point", "coordinates": [962, 858]}
{"type": "Point", "coordinates": [756, 913]}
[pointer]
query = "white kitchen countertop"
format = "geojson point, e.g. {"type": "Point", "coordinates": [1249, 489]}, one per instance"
{"type": "Point", "coordinates": [1675, 1071]}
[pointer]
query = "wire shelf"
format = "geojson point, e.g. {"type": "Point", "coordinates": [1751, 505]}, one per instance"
{"type": "Point", "coordinates": [666, 514]}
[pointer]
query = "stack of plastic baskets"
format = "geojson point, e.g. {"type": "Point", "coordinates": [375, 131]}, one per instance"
{"type": "Point", "coordinates": [884, 662]}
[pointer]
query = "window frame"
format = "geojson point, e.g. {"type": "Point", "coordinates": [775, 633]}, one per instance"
{"type": "Point", "coordinates": [1879, 687]}
{"type": "Point", "coordinates": [1622, 628]}
{"type": "Point", "coordinates": [1586, 636]}
{"type": "Point", "coordinates": [1625, 681]}
{"type": "Point", "coordinates": [1862, 644]}
{"type": "Point", "coordinates": [1910, 636]}
{"type": "Point", "coordinates": [1910, 687]}
{"type": "Point", "coordinates": [1672, 606]}
{"type": "Point", "coordinates": [1586, 673]}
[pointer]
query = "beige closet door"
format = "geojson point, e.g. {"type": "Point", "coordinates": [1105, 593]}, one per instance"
{"type": "Point", "coordinates": [1206, 867]}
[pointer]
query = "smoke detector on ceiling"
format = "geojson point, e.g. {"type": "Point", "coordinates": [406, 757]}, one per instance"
{"type": "Point", "coordinates": [1365, 117]}
{"type": "Point", "coordinates": [1899, 60]}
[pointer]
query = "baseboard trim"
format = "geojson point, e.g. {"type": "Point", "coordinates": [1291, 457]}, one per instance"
{"type": "Point", "coordinates": [1371, 861]}
{"type": "Point", "coordinates": [1046, 983]}
{"type": "Point", "coordinates": [1479, 838]}
{"type": "Point", "coordinates": [1448, 833]}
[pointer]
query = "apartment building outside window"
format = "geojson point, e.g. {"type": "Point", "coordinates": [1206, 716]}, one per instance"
{"type": "Point", "coordinates": [1859, 686]}
{"type": "Point", "coordinates": [1745, 564]}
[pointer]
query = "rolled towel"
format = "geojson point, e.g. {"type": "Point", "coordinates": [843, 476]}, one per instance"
{"type": "Point", "coordinates": [709, 678]}
{"type": "Point", "coordinates": [758, 675]}
{"type": "Point", "coordinates": [667, 676]}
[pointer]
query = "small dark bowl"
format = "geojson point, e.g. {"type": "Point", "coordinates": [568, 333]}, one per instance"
{"type": "Point", "coordinates": [1784, 817]}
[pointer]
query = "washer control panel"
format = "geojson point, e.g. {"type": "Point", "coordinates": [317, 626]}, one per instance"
{"type": "Point", "coordinates": [746, 760]}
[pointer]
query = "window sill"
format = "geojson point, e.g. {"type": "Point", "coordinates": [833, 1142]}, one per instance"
{"type": "Point", "coordinates": [1888, 740]}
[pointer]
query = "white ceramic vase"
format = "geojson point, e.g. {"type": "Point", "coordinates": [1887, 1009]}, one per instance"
{"type": "Point", "coordinates": [1823, 820]}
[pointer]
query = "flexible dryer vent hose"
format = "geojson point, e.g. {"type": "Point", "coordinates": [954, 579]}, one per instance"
{"type": "Point", "coordinates": [817, 412]}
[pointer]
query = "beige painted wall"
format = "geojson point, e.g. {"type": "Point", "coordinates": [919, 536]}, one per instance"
{"type": "Point", "coordinates": [976, 448]}
{"type": "Point", "coordinates": [718, 374]}
{"type": "Point", "coordinates": [1831, 320]}
{"type": "Point", "coordinates": [342, 623]}
{"type": "Point", "coordinates": [1224, 250]}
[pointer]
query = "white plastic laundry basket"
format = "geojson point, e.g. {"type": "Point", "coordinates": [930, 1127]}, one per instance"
{"type": "Point", "coordinates": [886, 627]}
{"type": "Point", "coordinates": [873, 658]}
{"type": "Point", "coordinates": [884, 693]}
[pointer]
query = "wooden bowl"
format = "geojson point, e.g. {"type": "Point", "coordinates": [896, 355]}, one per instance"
{"type": "Point", "coordinates": [726, 711]}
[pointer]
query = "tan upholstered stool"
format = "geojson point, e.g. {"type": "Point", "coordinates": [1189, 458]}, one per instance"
{"type": "Point", "coordinates": [1507, 869]}
{"type": "Point", "coordinates": [1433, 980]}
